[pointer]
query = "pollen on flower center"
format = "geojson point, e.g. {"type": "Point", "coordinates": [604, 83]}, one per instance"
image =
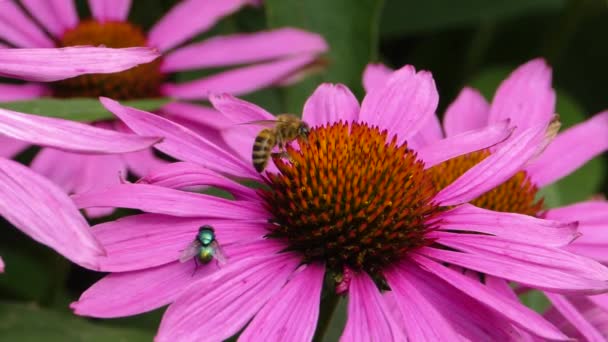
{"type": "Point", "coordinates": [350, 198]}
{"type": "Point", "coordinates": [516, 195]}
{"type": "Point", "coordinates": [139, 82]}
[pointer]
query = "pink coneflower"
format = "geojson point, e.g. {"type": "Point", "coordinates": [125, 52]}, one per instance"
{"type": "Point", "coordinates": [256, 60]}
{"type": "Point", "coordinates": [355, 206]}
{"type": "Point", "coordinates": [526, 97]}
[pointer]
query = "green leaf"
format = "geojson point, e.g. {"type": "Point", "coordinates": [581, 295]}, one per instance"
{"type": "Point", "coordinates": [403, 16]}
{"type": "Point", "coordinates": [77, 109]}
{"type": "Point", "coordinates": [350, 28]}
{"type": "Point", "coordinates": [535, 300]}
{"type": "Point", "coordinates": [20, 322]}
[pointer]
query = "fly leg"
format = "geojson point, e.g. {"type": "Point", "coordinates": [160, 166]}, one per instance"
{"type": "Point", "coordinates": [195, 267]}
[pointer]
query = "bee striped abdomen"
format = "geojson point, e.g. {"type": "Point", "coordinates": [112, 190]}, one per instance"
{"type": "Point", "coordinates": [262, 147]}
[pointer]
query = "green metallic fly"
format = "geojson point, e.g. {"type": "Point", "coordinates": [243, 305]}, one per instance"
{"type": "Point", "coordinates": [204, 247]}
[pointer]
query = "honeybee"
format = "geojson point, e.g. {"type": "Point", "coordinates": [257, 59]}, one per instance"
{"type": "Point", "coordinates": [286, 128]}
{"type": "Point", "coordinates": [203, 248]}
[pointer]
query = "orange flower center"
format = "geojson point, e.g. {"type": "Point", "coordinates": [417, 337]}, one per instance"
{"type": "Point", "coordinates": [139, 82]}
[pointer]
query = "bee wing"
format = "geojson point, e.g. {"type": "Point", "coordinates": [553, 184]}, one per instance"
{"type": "Point", "coordinates": [219, 254]}
{"type": "Point", "coordinates": [189, 251]}
{"type": "Point", "coordinates": [266, 123]}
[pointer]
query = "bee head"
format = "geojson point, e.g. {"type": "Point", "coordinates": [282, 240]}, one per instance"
{"type": "Point", "coordinates": [303, 130]}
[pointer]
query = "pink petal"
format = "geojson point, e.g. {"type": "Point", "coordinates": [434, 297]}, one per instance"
{"type": "Point", "coordinates": [239, 81]}
{"type": "Point", "coordinates": [131, 293]}
{"type": "Point", "coordinates": [403, 104]}
{"type": "Point", "coordinates": [509, 226]}
{"type": "Point", "coordinates": [570, 150]}
{"type": "Point", "coordinates": [18, 29]}
{"type": "Point", "coordinates": [142, 162]}
{"type": "Point", "coordinates": [375, 75]}
{"type": "Point", "coordinates": [293, 311]}
{"type": "Point", "coordinates": [243, 48]}
{"type": "Point", "coordinates": [219, 306]}
{"type": "Point", "coordinates": [526, 96]}
{"type": "Point", "coordinates": [48, 65]}
{"type": "Point", "coordinates": [463, 143]}
{"type": "Point", "coordinates": [68, 135]}
{"type": "Point", "coordinates": [421, 320]}
{"type": "Point", "coordinates": [156, 199]}
{"type": "Point", "coordinates": [368, 317]}
{"type": "Point", "coordinates": [179, 142]}
{"type": "Point", "coordinates": [592, 217]}
{"type": "Point", "coordinates": [42, 210]}
{"type": "Point", "coordinates": [110, 10]}
{"type": "Point", "coordinates": [16, 92]}
{"type": "Point", "coordinates": [185, 175]}
{"type": "Point", "coordinates": [128, 241]}
{"type": "Point", "coordinates": [195, 114]}
{"type": "Point", "coordinates": [569, 311]}
{"type": "Point", "coordinates": [10, 147]}
{"type": "Point", "coordinates": [495, 169]}
{"type": "Point", "coordinates": [469, 111]}
{"type": "Point", "coordinates": [1, 265]}
{"type": "Point", "coordinates": [60, 167]}
{"type": "Point", "coordinates": [510, 309]}
{"type": "Point", "coordinates": [329, 104]}
{"type": "Point", "coordinates": [429, 133]}
{"type": "Point", "coordinates": [55, 15]}
{"type": "Point", "coordinates": [547, 268]}
{"type": "Point", "coordinates": [180, 24]}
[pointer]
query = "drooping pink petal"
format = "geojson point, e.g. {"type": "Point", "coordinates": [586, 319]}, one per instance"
{"type": "Point", "coordinates": [237, 110]}
{"type": "Point", "coordinates": [194, 113]}
{"type": "Point", "coordinates": [128, 240]}
{"type": "Point", "coordinates": [576, 318]}
{"type": "Point", "coordinates": [180, 24]}
{"type": "Point", "coordinates": [421, 320]}
{"type": "Point", "coordinates": [463, 143]}
{"type": "Point", "coordinates": [368, 317]}
{"type": "Point", "coordinates": [403, 104]}
{"type": "Point", "coordinates": [69, 135]}
{"type": "Point", "coordinates": [243, 48]}
{"type": "Point", "coordinates": [495, 169]}
{"type": "Point", "coordinates": [18, 29]}
{"type": "Point", "coordinates": [570, 150]}
{"type": "Point", "coordinates": [526, 96]}
{"type": "Point", "coordinates": [11, 147]}
{"type": "Point", "coordinates": [469, 111]}
{"type": "Point", "coordinates": [48, 65]}
{"type": "Point", "coordinates": [184, 175]}
{"type": "Point", "coordinates": [179, 142]}
{"type": "Point", "coordinates": [329, 104]}
{"type": "Point", "coordinates": [219, 306]}
{"type": "Point", "coordinates": [44, 212]}
{"type": "Point", "coordinates": [375, 75]}
{"type": "Point", "coordinates": [547, 268]}
{"type": "Point", "coordinates": [293, 311]}
{"type": "Point", "coordinates": [509, 226]}
{"type": "Point", "coordinates": [110, 10]}
{"type": "Point", "coordinates": [130, 293]}
{"type": "Point", "coordinates": [238, 81]}
{"type": "Point", "coordinates": [55, 15]}
{"type": "Point", "coordinates": [510, 309]}
{"type": "Point", "coordinates": [16, 92]}
{"type": "Point", "coordinates": [156, 199]}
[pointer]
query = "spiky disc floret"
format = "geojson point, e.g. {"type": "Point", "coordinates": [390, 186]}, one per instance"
{"type": "Point", "coordinates": [139, 82]}
{"type": "Point", "coordinates": [350, 198]}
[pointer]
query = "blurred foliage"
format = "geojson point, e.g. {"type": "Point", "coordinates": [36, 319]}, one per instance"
{"type": "Point", "coordinates": [468, 42]}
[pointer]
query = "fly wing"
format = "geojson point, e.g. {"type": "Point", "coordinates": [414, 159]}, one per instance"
{"type": "Point", "coordinates": [190, 251]}
{"type": "Point", "coordinates": [219, 254]}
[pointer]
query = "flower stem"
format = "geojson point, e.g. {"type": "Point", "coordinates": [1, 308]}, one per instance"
{"type": "Point", "coordinates": [329, 302]}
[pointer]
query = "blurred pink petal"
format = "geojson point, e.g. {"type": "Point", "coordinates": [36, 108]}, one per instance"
{"type": "Point", "coordinates": [48, 65]}
{"type": "Point", "coordinates": [570, 150]}
{"type": "Point", "coordinates": [180, 24]}
{"type": "Point", "coordinates": [11, 147]}
{"type": "Point", "coordinates": [293, 311]}
{"type": "Point", "coordinates": [110, 10]}
{"type": "Point", "coordinates": [142, 162]}
{"type": "Point", "coordinates": [526, 96]}
{"type": "Point", "coordinates": [375, 75]}
{"type": "Point", "coordinates": [45, 213]}
{"type": "Point", "coordinates": [1, 265]}
{"type": "Point", "coordinates": [569, 311]}
{"type": "Point", "coordinates": [238, 81]}
{"type": "Point", "coordinates": [219, 306]}
{"type": "Point", "coordinates": [244, 48]}
{"type": "Point", "coordinates": [17, 92]}
{"type": "Point", "coordinates": [402, 104]}
{"type": "Point", "coordinates": [18, 29]}
{"type": "Point", "coordinates": [55, 15]}
{"type": "Point", "coordinates": [329, 104]}
{"type": "Point", "coordinates": [69, 135]}
{"type": "Point", "coordinates": [468, 111]}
